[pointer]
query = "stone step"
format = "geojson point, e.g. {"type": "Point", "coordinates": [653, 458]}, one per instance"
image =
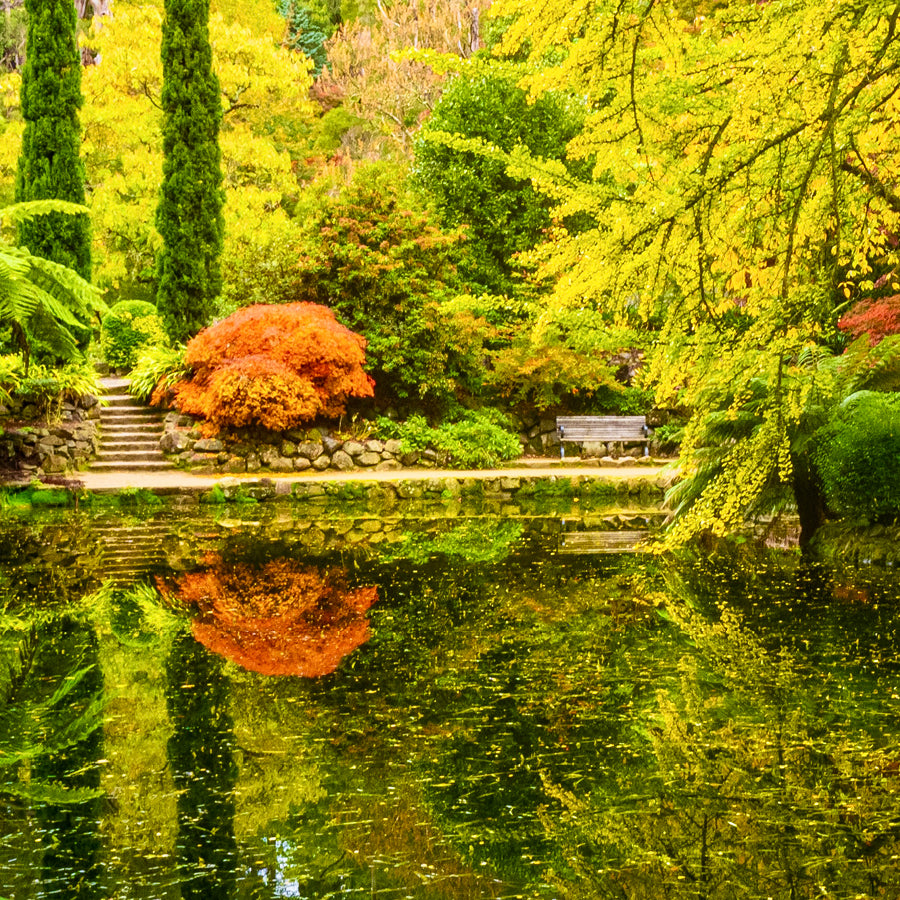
{"type": "Point", "coordinates": [130, 455]}
{"type": "Point", "coordinates": [132, 419]}
{"type": "Point", "coordinates": [115, 401]}
{"type": "Point", "coordinates": [130, 408]}
{"type": "Point", "coordinates": [137, 429]}
{"type": "Point", "coordinates": [136, 466]}
{"type": "Point", "coordinates": [143, 442]}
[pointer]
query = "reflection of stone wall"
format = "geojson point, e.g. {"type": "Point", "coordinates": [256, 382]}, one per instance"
{"type": "Point", "coordinates": [41, 448]}
{"type": "Point", "coordinates": [540, 489]}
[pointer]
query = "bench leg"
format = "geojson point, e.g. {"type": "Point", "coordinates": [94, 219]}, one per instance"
{"type": "Point", "coordinates": [646, 449]}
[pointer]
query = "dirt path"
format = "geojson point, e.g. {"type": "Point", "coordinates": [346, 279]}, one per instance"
{"type": "Point", "coordinates": [177, 480]}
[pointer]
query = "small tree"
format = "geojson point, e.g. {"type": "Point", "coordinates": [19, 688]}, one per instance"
{"type": "Point", "coordinates": [189, 214]}
{"type": "Point", "coordinates": [275, 366]}
{"type": "Point", "coordinates": [50, 167]}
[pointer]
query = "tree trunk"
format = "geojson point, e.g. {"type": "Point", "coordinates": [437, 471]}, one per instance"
{"type": "Point", "coordinates": [809, 497]}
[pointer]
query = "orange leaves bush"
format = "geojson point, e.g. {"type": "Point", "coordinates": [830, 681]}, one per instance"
{"type": "Point", "coordinates": [275, 366]}
{"type": "Point", "coordinates": [281, 618]}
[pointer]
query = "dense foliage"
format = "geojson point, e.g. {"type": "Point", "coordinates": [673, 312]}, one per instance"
{"type": "Point", "coordinates": [737, 205]}
{"type": "Point", "coordinates": [504, 214]}
{"type": "Point", "coordinates": [477, 440]}
{"type": "Point", "coordinates": [274, 366]}
{"type": "Point", "coordinates": [129, 327]}
{"type": "Point", "coordinates": [50, 167]}
{"type": "Point", "coordinates": [857, 454]}
{"type": "Point", "coordinates": [380, 261]}
{"type": "Point", "coordinates": [47, 306]}
{"type": "Point", "coordinates": [189, 214]}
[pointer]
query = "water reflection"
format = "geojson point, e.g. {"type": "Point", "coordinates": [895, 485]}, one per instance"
{"type": "Point", "coordinates": [508, 720]}
{"type": "Point", "coordinates": [201, 758]}
{"type": "Point", "coordinates": [280, 618]}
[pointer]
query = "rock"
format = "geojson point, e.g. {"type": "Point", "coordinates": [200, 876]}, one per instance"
{"type": "Point", "coordinates": [354, 448]}
{"type": "Point", "coordinates": [301, 463]}
{"type": "Point", "coordinates": [176, 442]}
{"type": "Point", "coordinates": [510, 484]}
{"type": "Point", "coordinates": [369, 458]}
{"type": "Point", "coordinates": [320, 463]}
{"type": "Point", "coordinates": [331, 444]}
{"type": "Point", "coordinates": [267, 455]}
{"type": "Point", "coordinates": [430, 455]}
{"type": "Point", "coordinates": [593, 448]}
{"type": "Point", "coordinates": [253, 462]}
{"type": "Point", "coordinates": [410, 458]}
{"type": "Point", "coordinates": [55, 464]}
{"type": "Point", "coordinates": [310, 450]}
{"type": "Point", "coordinates": [235, 464]}
{"type": "Point", "coordinates": [341, 460]}
{"type": "Point", "coordinates": [288, 449]}
{"type": "Point", "coordinates": [388, 465]}
{"type": "Point", "coordinates": [392, 446]}
{"type": "Point", "coordinates": [209, 445]}
{"type": "Point", "coordinates": [374, 446]}
{"type": "Point", "coordinates": [281, 464]}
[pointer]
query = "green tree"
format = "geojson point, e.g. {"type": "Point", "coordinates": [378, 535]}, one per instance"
{"type": "Point", "coordinates": [504, 214]}
{"type": "Point", "coordinates": [743, 184]}
{"type": "Point", "coordinates": [189, 214]}
{"type": "Point", "coordinates": [50, 167]}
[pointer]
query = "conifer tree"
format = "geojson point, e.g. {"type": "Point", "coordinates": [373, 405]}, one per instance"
{"type": "Point", "coordinates": [189, 214]}
{"type": "Point", "coordinates": [50, 167]}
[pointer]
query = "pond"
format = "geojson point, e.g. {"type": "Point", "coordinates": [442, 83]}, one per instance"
{"type": "Point", "coordinates": [270, 703]}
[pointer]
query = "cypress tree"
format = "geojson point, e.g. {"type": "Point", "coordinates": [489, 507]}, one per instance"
{"type": "Point", "coordinates": [50, 167]}
{"type": "Point", "coordinates": [189, 213]}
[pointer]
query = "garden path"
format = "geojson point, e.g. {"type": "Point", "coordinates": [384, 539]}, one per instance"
{"type": "Point", "coordinates": [177, 481]}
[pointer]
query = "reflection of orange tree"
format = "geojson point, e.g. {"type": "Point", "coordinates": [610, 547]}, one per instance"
{"type": "Point", "coordinates": [280, 618]}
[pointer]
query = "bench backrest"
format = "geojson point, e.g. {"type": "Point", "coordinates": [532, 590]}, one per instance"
{"type": "Point", "coordinates": [602, 428]}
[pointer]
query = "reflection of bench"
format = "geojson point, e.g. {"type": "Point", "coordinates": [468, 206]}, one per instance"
{"type": "Point", "coordinates": [602, 429]}
{"type": "Point", "coordinates": [602, 541]}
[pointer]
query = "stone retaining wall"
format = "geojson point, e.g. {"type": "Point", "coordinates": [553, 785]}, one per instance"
{"type": "Point", "coordinates": [49, 448]}
{"type": "Point", "coordinates": [299, 450]}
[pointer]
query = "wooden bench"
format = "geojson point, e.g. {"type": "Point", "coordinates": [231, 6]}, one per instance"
{"type": "Point", "coordinates": [604, 429]}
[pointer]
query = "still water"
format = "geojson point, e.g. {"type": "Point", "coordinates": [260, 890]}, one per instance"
{"type": "Point", "coordinates": [262, 705]}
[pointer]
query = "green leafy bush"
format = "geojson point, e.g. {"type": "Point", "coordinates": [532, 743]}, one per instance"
{"type": "Point", "coordinates": [46, 387]}
{"type": "Point", "coordinates": [11, 375]}
{"type": "Point", "coordinates": [857, 457]}
{"type": "Point", "coordinates": [129, 327]}
{"type": "Point", "coordinates": [478, 440]}
{"type": "Point", "coordinates": [159, 368]}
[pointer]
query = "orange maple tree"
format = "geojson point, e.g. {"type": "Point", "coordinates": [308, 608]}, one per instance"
{"type": "Point", "coordinates": [275, 366]}
{"type": "Point", "coordinates": [281, 618]}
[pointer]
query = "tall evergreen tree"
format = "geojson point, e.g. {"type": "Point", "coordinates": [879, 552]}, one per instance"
{"type": "Point", "coordinates": [189, 215]}
{"type": "Point", "coordinates": [50, 167]}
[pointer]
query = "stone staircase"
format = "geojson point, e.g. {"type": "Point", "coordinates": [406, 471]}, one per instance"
{"type": "Point", "coordinates": [129, 432]}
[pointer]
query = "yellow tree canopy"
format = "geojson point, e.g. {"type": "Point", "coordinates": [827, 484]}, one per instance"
{"type": "Point", "coordinates": [743, 189]}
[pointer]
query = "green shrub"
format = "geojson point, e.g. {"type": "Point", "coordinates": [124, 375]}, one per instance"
{"type": "Point", "coordinates": [857, 455]}
{"type": "Point", "coordinates": [11, 375]}
{"type": "Point", "coordinates": [129, 327]}
{"type": "Point", "coordinates": [46, 387]}
{"type": "Point", "coordinates": [478, 440]}
{"type": "Point", "coordinates": [159, 367]}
